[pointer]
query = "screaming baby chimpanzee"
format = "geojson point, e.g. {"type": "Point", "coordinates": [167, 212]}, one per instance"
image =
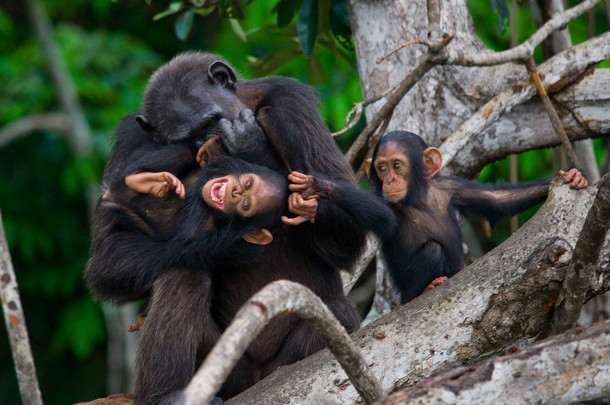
{"type": "Point", "coordinates": [427, 245]}
{"type": "Point", "coordinates": [137, 237]}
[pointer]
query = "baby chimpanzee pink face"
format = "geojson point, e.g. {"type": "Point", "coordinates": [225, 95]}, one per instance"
{"type": "Point", "coordinates": [244, 195]}
{"type": "Point", "coordinates": [393, 168]}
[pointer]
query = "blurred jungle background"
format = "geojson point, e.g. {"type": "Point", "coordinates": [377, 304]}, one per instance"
{"type": "Point", "coordinates": [49, 177]}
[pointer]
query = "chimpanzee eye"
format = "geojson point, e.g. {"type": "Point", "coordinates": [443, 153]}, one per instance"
{"type": "Point", "coordinates": [245, 204]}
{"type": "Point", "coordinates": [382, 168]}
{"type": "Point", "coordinates": [397, 165]}
{"type": "Point", "coordinates": [248, 185]}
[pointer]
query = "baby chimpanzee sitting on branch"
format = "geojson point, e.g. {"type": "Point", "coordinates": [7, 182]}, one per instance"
{"type": "Point", "coordinates": [426, 248]}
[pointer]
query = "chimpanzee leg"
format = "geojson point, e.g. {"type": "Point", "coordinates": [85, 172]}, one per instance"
{"type": "Point", "coordinates": [178, 325]}
{"type": "Point", "coordinates": [302, 341]}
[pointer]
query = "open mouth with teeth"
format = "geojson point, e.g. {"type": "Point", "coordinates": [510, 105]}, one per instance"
{"type": "Point", "coordinates": [217, 193]}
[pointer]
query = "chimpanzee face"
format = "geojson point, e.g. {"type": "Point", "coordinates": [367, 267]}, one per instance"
{"type": "Point", "coordinates": [394, 170]}
{"type": "Point", "coordinates": [245, 194]}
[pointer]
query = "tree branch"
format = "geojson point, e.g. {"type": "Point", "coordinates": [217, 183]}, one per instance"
{"type": "Point", "coordinates": [526, 49]}
{"type": "Point", "coordinates": [278, 298]}
{"type": "Point", "coordinates": [557, 72]}
{"type": "Point", "coordinates": [548, 105]}
{"type": "Point", "coordinates": [14, 319]}
{"type": "Point", "coordinates": [582, 269]}
{"type": "Point", "coordinates": [542, 373]}
{"type": "Point", "coordinates": [81, 133]}
{"type": "Point", "coordinates": [53, 122]}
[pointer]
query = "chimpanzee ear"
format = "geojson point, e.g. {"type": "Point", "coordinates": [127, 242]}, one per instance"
{"type": "Point", "coordinates": [259, 237]}
{"type": "Point", "coordinates": [367, 167]}
{"type": "Point", "coordinates": [223, 74]}
{"type": "Point", "coordinates": [433, 161]}
{"type": "Point", "coordinates": [145, 124]}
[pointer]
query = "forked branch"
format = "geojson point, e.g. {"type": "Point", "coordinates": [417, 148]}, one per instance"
{"type": "Point", "coordinates": [278, 298]}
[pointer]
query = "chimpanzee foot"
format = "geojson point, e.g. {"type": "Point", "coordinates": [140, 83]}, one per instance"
{"type": "Point", "coordinates": [435, 283]}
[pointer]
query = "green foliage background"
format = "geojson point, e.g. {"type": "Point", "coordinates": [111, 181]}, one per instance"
{"type": "Point", "coordinates": [111, 48]}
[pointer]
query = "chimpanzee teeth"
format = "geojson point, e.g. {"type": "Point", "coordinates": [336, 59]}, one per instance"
{"type": "Point", "coordinates": [218, 192]}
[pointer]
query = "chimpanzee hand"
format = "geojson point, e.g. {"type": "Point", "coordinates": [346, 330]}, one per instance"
{"type": "Point", "coordinates": [311, 186]}
{"type": "Point", "coordinates": [304, 209]}
{"type": "Point", "coordinates": [158, 184]}
{"type": "Point", "coordinates": [574, 177]}
{"type": "Point", "coordinates": [209, 150]}
{"type": "Point", "coordinates": [306, 190]}
{"type": "Point", "coordinates": [243, 134]}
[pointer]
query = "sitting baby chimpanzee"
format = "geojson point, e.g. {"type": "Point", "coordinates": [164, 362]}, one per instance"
{"type": "Point", "coordinates": [427, 245]}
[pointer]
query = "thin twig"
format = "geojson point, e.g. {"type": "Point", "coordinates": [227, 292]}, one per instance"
{"type": "Point", "coordinates": [553, 116]}
{"type": "Point", "coordinates": [399, 47]}
{"type": "Point", "coordinates": [352, 119]}
{"type": "Point", "coordinates": [280, 297]}
{"type": "Point", "coordinates": [16, 328]}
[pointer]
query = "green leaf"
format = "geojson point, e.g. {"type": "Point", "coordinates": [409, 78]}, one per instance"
{"type": "Point", "coordinates": [307, 26]}
{"type": "Point", "coordinates": [500, 7]}
{"type": "Point", "coordinates": [173, 8]}
{"type": "Point", "coordinates": [147, 2]}
{"type": "Point", "coordinates": [286, 10]}
{"type": "Point", "coordinates": [237, 29]}
{"type": "Point", "coordinates": [314, 71]}
{"type": "Point", "coordinates": [184, 23]}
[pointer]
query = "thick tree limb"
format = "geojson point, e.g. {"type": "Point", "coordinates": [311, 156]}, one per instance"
{"type": "Point", "coordinates": [569, 368]}
{"type": "Point", "coordinates": [275, 299]}
{"type": "Point", "coordinates": [501, 298]}
{"type": "Point", "coordinates": [586, 254]}
{"type": "Point", "coordinates": [15, 327]}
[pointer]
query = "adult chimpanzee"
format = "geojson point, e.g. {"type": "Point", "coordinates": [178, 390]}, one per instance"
{"type": "Point", "coordinates": [427, 246]}
{"type": "Point", "coordinates": [311, 254]}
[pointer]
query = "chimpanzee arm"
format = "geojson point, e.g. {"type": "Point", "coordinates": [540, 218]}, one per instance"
{"type": "Point", "coordinates": [287, 111]}
{"type": "Point", "coordinates": [123, 264]}
{"type": "Point", "coordinates": [365, 208]}
{"type": "Point", "coordinates": [135, 151]}
{"type": "Point", "coordinates": [472, 197]}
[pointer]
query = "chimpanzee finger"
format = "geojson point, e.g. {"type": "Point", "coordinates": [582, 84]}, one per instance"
{"type": "Point", "coordinates": [247, 116]}
{"type": "Point", "coordinates": [294, 221]}
{"type": "Point", "coordinates": [299, 206]}
{"type": "Point", "coordinates": [228, 137]}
